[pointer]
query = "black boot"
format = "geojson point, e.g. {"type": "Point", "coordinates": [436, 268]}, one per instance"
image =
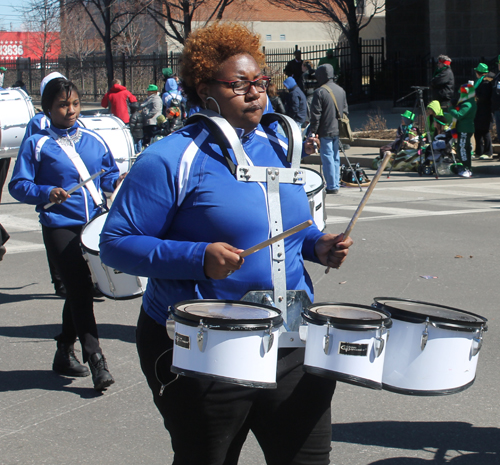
{"type": "Point", "coordinates": [66, 363]}
{"type": "Point", "coordinates": [100, 374]}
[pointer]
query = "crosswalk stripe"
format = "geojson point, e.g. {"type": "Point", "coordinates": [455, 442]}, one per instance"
{"type": "Point", "coordinates": [14, 223]}
{"type": "Point", "coordinates": [13, 247]}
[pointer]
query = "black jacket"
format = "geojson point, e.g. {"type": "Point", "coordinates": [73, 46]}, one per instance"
{"type": "Point", "coordinates": [495, 93]}
{"type": "Point", "coordinates": [443, 86]}
{"type": "Point", "coordinates": [482, 119]}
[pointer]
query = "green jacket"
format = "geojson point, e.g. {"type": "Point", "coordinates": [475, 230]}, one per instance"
{"type": "Point", "coordinates": [465, 115]}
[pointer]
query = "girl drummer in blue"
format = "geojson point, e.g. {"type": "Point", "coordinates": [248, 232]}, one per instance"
{"type": "Point", "coordinates": [43, 174]}
{"type": "Point", "coordinates": [182, 219]}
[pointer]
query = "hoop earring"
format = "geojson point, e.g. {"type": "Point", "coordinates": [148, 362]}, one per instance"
{"type": "Point", "coordinates": [211, 98]}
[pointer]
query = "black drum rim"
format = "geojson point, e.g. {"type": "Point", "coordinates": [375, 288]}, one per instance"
{"type": "Point", "coordinates": [439, 321]}
{"type": "Point", "coordinates": [348, 323]}
{"type": "Point", "coordinates": [225, 324]}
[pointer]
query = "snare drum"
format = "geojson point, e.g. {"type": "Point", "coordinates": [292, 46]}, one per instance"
{"type": "Point", "coordinates": [346, 342]}
{"type": "Point", "coordinates": [112, 283]}
{"type": "Point", "coordinates": [229, 341]}
{"type": "Point", "coordinates": [433, 349]}
{"type": "Point", "coordinates": [316, 194]}
{"type": "Point", "coordinates": [114, 132]}
{"type": "Point", "coordinates": [16, 110]}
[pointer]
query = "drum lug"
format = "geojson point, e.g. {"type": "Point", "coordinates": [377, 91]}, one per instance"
{"type": "Point", "coordinates": [268, 339]}
{"type": "Point", "coordinates": [303, 332]}
{"type": "Point", "coordinates": [170, 325]}
{"type": "Point", "coordinates": [327, 340]}
{"type": "Point", "coordinates": [379, 343]}
{"type": "Point", "coordinates": [425, 335]}
{"type": "Point", "coordinates": [200, 337]}
{"type": "Point", "coordinates": [478, 341]}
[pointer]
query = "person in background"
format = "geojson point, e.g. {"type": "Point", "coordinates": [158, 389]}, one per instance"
{"type": "Point", "coordinates": [20, 85]}
{"type": "Point", "coordinates": [167, 74]}
{"type": "Point", "coordinates": [495, 98]}
{"type": "Point", "coordinates": [136, 125]}
{"type": "Point", "coordinates": [443, 82]}
{"type": "Point", "coordinates": [274, 98]}
{"type": "Point", "coordinates": [483, 118]}
{"type": "Point", "coordinates": [174, 106]}
{"type": "Point", "coordinates": [294, 68]}
{"type": "Point", "coordinates": [404, 135]}
{"type": "Point", "coordinates": [3, 70]}
{"type": "Point", "coordinates": [151, 109]}
{"type": "Point", "coordinates": [331, 59]}
{"type": "Point", "coordinates": [463, 126]}
{"type": "Point", "coordinates": [118, 99]}
{"type": "Point", "coordinates": [309, 81]}
{"type": "Point", "coordinates": [296, 102]}
{"type": "Point", "coordinates": [182, 219]}
{"type": "Point", "coordinates": [324, 123]}
{"type": "Point", "coordinates": [48, 165]}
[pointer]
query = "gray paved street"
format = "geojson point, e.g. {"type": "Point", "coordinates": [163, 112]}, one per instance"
{"type": "Point", "coordinates": [412, 227]}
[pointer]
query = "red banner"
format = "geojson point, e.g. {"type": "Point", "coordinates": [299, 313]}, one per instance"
{"type": "Point", "coordinates": [14, 45]}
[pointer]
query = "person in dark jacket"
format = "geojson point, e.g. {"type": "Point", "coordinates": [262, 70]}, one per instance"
{"type": "Point", "coordinates": [296, 103]}
{"type": "Point", "coordinates": [294, 68]}
{"type": "Point", "coordinates": [325, 124]}
{"type": "Point", "coordinates": [443, 82]}
{"type": "Point", "coordinates": [495, 98]}
{"type": "Point", "coordinates": [274, 98]}
{"type": "Point", "coordinates": [482, 120]}
{"type": "Point", "coordinates": [136, 126]}
{"type": "Point", "coordinates": [309, 82]}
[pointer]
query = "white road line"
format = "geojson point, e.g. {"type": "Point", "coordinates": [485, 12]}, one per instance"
{"type": "Point", "coordinates": [14, 223]}
{"type": "Point", "coordinates": [13, 246]}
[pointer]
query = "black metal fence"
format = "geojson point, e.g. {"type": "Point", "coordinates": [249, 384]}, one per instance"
{"type": "Point", "coordinates": [383, 78]}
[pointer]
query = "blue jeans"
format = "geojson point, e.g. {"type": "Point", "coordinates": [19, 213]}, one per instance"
{"type": "Point", "coordinates": [330, 158]}
{"type": "Point", "coordinates": [137, 145]}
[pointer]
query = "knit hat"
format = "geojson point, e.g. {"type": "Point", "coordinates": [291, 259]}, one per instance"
{"type": "Point", "coordinates": [3, 68]}
{"type": "Point", "coordinates": [481, 68]}
{"type": "Point", "coordinates": [152, 88]}
{"type": "Point", "coordinates": [467, 91]}
{"type": "Point", "coordinates": [408, 115]}
{"type": "Point", "coordinates": [49, 78]}
{"type": "Point", "coordinates": [289, 83]}
{"type": "Point", "coordinates": [167, 72]}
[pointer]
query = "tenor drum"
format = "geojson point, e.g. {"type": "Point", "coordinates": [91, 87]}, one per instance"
{"type": "Point", "coordinates": [433, 349]}
{"type": "Point", "coordinates": [229, 341]}
{"type": "Point", "coordinates": [346, 342]}
{"type": "Point", "coordinates": [112, 283]}
{"type": "Point", "coordinates": [316, 194]}
{"type": "Point", "coordinates": [116, 135]}
{"type": "Point", "coordinates": [16, 110]}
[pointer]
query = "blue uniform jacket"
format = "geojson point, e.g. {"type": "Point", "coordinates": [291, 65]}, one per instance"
{"type": "Point", "coordinates": [42, 165]}
{"type": "Point", "coordinates": [180, 196]}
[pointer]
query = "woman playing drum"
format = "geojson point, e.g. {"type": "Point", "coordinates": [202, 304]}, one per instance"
{"type": "Point", "coordinates": [182, 219]}
{"type": "Point", "coordinates": [42, 175]}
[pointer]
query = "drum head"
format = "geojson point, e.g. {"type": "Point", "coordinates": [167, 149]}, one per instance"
{"type": "Point", "coordinates": [314, 181]}
{"type": "Point", "coordinates": [225, 313]}
{"type": "Point", "coordinates": [417, 312]}
{"type": "Point", "coordinates": [91, 233]}
{"type": "Point", "coordinates": [351, 315]}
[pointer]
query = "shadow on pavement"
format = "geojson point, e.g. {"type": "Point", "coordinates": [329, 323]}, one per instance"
{"type": "Point", "coordinates": [42, 379]}
{"type": "Point", "coordinates": [475, 446]}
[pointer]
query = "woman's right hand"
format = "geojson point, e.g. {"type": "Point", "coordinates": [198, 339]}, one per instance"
{"type": "Point", "coordinates": [221, 260]}
{"type": "Point", "coordinates": [58, 195]}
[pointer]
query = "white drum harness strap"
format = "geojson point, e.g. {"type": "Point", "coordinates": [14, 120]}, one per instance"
{"type": "Point", "coordinates": [225, 135]}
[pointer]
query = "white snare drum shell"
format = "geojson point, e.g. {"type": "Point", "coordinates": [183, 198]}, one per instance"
{"type": "Point", "coordinates": [346, 342]}
{"type": "Point", "coordinates": [437, 357]}
{"type": "Point", "coordinates": [316, 194]}
{"type": "Point", "coordinates": [226, 352]}
{"type": "Point", "coordinates": [112, 283]}
{"type": "Point", "coordinates": [16, 110]}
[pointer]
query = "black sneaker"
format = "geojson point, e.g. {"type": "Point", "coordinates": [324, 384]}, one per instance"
{"type": "Point", "coordinates": [100, 374]}
{"type": "Point", "coordinates": [59, 289]}
{"type": "Point", "coordinates": [65, 362]}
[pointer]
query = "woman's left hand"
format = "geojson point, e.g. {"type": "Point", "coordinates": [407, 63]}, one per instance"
{"type": "Point", "coordinates": [311, 144]}
{"type": "Point", "coordinates": [120, 179]}
{"type": "Point", "coordinates": [332, 249]}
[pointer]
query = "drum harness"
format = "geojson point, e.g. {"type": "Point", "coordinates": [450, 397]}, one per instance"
{"type": "Point", "coordinates": [226, 135]}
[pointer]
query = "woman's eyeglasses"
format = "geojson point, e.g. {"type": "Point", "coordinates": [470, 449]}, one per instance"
{"type": "Point", "coordinates": [243, 87]}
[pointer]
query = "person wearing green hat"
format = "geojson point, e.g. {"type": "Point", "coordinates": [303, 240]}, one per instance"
{"type": "Point", "coordinates": [482, 120]}
{"type": "Point", "coordinates": [2, 75]}
{"type": "Point", "coordinates": [331, 59]}
{"type": "Point", "coordinates": [495, 98]}
{"type": "Point", "coordinates": [404, 136]}
{"type": "Point", "coordinates": [151, 109]}
{"type": "Point", "coordinates": [167, 74]}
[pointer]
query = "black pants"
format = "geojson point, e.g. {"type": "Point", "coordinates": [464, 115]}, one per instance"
{"type": "Point", "coordinates": [4, 170]}
{"type": "Point", "coordinates": [209, 421]}
{"type": "Point", "coordinates": [63, 249]}
{"type": "Point", "coordinates": [149, 132]}
{"type": "Point", "coordinates": [483, 142]}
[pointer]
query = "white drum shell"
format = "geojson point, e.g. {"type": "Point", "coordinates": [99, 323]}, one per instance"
{"type": "Point", "coordinates": [116, 134]}
{"type": "Point", "coordinates": [445, 364]}
{"type": "Point", "coordinates": [364, 370]}
{"type": "Point", "coordinates": [239, 357]}
{"type": "Point", "coordinates": [112, 283]}
{"type": "Point", "coordinates": [16, 110]}
{"type": "Point", "coordinates": [316, 194]}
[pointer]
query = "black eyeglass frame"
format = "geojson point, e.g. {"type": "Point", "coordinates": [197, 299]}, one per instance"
{"type": "Point", "coordinates": [233, 84]}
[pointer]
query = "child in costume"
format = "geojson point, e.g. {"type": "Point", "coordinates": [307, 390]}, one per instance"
{"type": "Point", "coordinates": [462, 126]}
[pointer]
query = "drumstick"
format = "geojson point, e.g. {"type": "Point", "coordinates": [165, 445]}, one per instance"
{"type": "Point", "coordinates": [277, 238]}
{"type": "Point", "coordinates": [73, 189]}
{"type": "Point", "coordinates": [365, 198]}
